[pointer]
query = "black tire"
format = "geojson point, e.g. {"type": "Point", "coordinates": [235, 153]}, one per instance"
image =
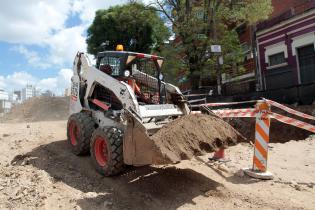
{"type": "Point", "coordinates": [79, 132]}
{"type": "Point", "coordinates": [107, 150]}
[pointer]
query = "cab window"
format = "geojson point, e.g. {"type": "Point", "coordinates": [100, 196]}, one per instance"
{"type": "Point", "coordinates": [113, 62]}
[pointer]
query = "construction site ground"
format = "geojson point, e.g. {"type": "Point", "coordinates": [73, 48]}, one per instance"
{"type": "Point", "coordinates": [38, 171]}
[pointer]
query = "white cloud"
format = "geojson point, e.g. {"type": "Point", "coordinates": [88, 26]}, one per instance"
{"type": "Point", "coordinates": [19, 80]}
{"type": "Point", "coordinates": [62, 47]}
{"type": "Point", "coordinates": [2, 82]}
{"type": "Point", "coordinates": [56, 84]}
{"type": "Point", "coordinates": [86, 8]}
{"type": "Point", "coordinates": [31, 56]}
{"type": "Point", "coordinates": [65, 44]}
{"type": "Point", "coordinates": [32, 21]}
{"type": "Point", "coordinates": [42, 23]}
{"type": "Point", "coordinates": [65, 75]}
{"type": "Point", "coordinates": [16, 80]}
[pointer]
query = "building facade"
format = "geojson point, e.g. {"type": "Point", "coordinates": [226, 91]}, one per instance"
{"type": "Point", "coordinates": [249, 80]}
{"type": "Point", "coordinates": [18, 93]}
{"type": "Point", "coordinates": [28, 92]}
{"type": "Point", "coordinates": [5, 104]}
{"type": "Point", "coordinates": [286, 48]}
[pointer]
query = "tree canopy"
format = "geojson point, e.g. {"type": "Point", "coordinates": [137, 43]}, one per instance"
{"type": "Point", "coordinates": [137, 27]}
{"type": "Point", "coordinates": [199, 24]}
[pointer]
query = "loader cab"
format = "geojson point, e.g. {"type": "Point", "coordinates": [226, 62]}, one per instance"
{"type": "Point", "coordinates": [110, 63]}
{"type": "Point", "coordinates": [120, 64]}
{"type": "Point", "coordinates": [115, 63]}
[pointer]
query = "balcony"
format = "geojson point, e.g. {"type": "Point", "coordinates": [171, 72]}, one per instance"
{"type": "Point", "coordinates": [248, 69]}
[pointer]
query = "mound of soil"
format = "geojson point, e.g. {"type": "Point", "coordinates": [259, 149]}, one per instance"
{"type": "Point", "coordinates": [39, 109]}
{"type": "Point", "coordinates": [194, 135]}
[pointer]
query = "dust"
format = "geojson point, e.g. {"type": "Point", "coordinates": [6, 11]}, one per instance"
{"type": "Point", "coordinates": [194, 135]}
{"type": "Point", "coordinates": [39, 109]}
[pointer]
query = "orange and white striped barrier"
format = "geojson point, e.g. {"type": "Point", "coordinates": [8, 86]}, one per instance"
{"type": "Point", "coordinates": [289, 110]}
{"type": "Point", "coordinates": [227, 113]}
{"type": "Point", "coordinates": [259, 169]}
{"type": "Point", "coordinates": [294, 122]}
{"type": "Point", "coordinates": [263, 114]}
{"type": "Point", "coordinates": [261, 140]}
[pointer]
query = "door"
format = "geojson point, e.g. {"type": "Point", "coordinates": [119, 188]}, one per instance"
{"type": "Point", "coordinates": [306, 56]}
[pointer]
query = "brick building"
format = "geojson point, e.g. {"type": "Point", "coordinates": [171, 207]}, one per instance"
{"type": "Point", "coordinates": [286, 46]}
{"type": "Point", "coordinates": [251, 78]}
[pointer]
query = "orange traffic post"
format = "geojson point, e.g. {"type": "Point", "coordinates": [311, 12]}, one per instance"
{"type": "Point", "coordinates": [219, 156]}
{"type": "Point", "coordinates": [259, 168]}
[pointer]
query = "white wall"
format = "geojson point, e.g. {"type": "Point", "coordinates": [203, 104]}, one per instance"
{"type": "Point", "coordinates": [302, 41]}
{"type": "Point", "coordinates": [28, 92]}
{"type": "Point", "coordinates": [4, 95]}
{"type": "Point", "coordinates": [274, 49]}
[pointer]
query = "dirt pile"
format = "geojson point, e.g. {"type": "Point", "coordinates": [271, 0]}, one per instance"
{"type": "Point", "coordinates": [194, 135]}
{"type": "Point", "coordinates": [39, 109]}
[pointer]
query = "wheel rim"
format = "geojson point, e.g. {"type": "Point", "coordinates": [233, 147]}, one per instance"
{"type": "Point", "coordinates": [100, 150]}
{"type": "Point", "coordinates": [74, 133]}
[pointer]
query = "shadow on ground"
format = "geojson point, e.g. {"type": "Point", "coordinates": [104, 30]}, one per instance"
{"type": "Point", "coordinates": [138, 188]}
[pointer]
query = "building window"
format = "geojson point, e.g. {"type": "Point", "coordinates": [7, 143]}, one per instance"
{"type": "Point", "coordinates": [277, 59]}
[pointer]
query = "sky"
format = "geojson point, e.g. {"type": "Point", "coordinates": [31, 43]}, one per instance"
{"type": "Point", "coordinates": [39, 39]}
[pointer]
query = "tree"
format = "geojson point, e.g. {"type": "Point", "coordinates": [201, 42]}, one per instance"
{"type": "Point", "coordinates": [172, 64]}
{"type": "Point", "coordinates": [199, 24]}
{"type": "Point", "coordinates": [133, 25]}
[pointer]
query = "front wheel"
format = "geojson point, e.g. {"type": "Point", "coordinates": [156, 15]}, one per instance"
{"type": "Point", "coordinates": [79, 131]}
{"type": "Point", "coordinates": [107, 150]}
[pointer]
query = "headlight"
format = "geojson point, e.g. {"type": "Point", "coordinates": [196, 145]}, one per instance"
{"type": "Point", "coordinates": [126, 73]}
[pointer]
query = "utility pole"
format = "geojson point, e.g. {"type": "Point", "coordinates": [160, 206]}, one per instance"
{"type": "Point", "coordinates": [214, 36]}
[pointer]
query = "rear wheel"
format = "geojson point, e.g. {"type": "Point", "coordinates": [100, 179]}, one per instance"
{"type": "Point", "coordinates": [107, 150]}
{"type": "Point", "coordinates": [79, 131]}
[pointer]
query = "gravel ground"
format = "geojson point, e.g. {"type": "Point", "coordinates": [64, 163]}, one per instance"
{"type": "Point", "coordinates": [37, 171]}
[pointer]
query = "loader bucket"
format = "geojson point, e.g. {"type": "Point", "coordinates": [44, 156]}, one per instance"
{"type": "Point", "coordinates": [181, 139]}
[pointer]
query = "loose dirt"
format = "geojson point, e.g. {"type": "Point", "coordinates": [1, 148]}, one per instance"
{"type": "Point", "coordinates": [38, 171]}
{"type": "Point", "coordinates": [39, 109]}
{"type": "Point", "coordinates": [194, 135]}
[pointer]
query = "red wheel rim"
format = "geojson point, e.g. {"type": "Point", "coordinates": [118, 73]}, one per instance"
{"type": "Point", "coordinates": [74, 133]}
{"type": "Point", "coordinates": [100, 150]}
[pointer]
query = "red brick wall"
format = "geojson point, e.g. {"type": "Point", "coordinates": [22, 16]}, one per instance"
{"type": "Point", "coordinates": [245, 37]}
{"type": "Point", "coordinates": [280, 6]}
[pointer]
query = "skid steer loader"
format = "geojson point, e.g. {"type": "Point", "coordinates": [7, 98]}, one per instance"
{"type": "Point", "coordinates": [117, 106]}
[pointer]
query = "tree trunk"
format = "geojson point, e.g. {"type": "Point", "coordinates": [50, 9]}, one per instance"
{"type": "Point", "coordinates": [215, 39]}
{"type": "Point", "coordinates": [254, 51]}
{"type": "Point", "coordinates": [219, 78]}
{"type": "Point", "coordinates": [194, 82]}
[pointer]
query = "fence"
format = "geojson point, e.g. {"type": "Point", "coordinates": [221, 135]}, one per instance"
{"type": "Point", "coordinates": [263, 114]}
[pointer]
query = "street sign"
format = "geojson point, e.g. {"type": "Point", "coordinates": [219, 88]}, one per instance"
{"type": "Point", "coordinates": [216, 49]}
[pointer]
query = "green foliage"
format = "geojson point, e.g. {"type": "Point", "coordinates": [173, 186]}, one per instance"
{"type": "Point", "coordinates": [137, 27]}
{"type": "Point", "coordinates": [217, 25]}
{"type": "Point", "coordinates": [173, 65]}
{"type": "Point", "coordinates": [251, 11]}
